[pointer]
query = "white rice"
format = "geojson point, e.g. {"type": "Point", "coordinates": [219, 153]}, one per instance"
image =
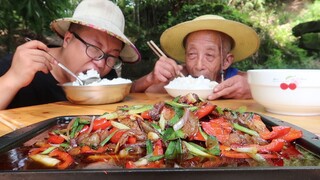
{"type": "Point", "coordinates": [104, 81]}
{"type": "Point", "coordinates": [190, 82]}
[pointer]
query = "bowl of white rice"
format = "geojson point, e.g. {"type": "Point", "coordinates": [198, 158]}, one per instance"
{"type": "Point", "coordinates": [181, 86]}
{"type": "Point", "coordinates": [104, 91]}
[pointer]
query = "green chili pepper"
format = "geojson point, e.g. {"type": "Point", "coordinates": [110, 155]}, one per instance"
{"type": "Point", "coordinates": [244, 129]}
{"type": "Point", "coordinates": [74, 127]}
{"type": "Point", "coordinates": [112, 115]}
{"type": "Point", "coordinates": [108, 138]}
{"type": "Point", "coordinates": [193, 108]}
{"type": "Point", "coordinates": [175, 104]}
{"type": "Point", "coordinates": [179, 146]}
{"type": "Point", "coordinates": [155, 158]}
{"type": "Point", "coordinates": [219, 109]}
{"type": "Point", "coordinates": [213, 145]}
{"type": "Point", "coordinates": [171, 150]}
{"type": "Point", "coordinates": [178, 114]}
{"type": "Point", "coordinates": [149, 147]}
{"type": "Point", "coordinates": [156, 127]}
{"type": "Point", "coordinates": [47, 151]}
{"type": "Point", "coordinates": [84, 121]}
{"type": "Point", "coordinates": [176, 99]}
{"type": "Point", "coordinates": [140, 109]}
{"type": "Point", "coordinates": [193, 148]}
{"type": "Point", "coordinates": [79, 128]}
{"type": "Point", "coordinates": [169, 134]}
{"type": "Point", "coordinates": [65, 145]}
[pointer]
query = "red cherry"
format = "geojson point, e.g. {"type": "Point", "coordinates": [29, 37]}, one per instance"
{"type": "Point", "coordinates": [284, 86]}
{"type": "Point", "coordinates": [292, 86]}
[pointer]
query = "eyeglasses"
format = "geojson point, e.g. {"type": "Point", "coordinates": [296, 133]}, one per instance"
{"type": "Point", "coordinates": [97, 54]}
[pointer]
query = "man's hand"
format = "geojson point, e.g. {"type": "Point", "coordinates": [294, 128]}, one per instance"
{"type": "Point", "coordinates": [236, 87]}
{"type": "Point", "coordinates": [165, 70]}
{"type": "Point", "coordinates": [28, 59]}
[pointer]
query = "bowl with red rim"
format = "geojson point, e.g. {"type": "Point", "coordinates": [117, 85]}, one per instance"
{"type": "Point", "coordinates": [286, 91]}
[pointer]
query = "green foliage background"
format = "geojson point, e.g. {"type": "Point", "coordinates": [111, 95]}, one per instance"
{"type": "Point", "coordinates": [147, 19]}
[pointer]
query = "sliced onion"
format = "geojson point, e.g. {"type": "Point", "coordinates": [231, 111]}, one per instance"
{"type": "Point", "coordinates": [182, 121]}
{"type": "Point", "coordinates": [162, 121]}
{"type": "Point", "coordinates": [141, 162]}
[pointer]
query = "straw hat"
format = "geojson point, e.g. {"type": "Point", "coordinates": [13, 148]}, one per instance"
{"type": "Point", "coordinates": [246, 40]}
{"type": "Point", "coordinates": [102, 15]}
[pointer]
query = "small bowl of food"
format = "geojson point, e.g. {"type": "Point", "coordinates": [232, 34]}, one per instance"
{"type": "Point", "coordinates": [103, 91]}
{"type": "Point", "coordinates": [287, 91]}
{"type": "Point", "coordinates": [182, 86]}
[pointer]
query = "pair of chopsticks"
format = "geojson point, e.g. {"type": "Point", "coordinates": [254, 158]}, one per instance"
{"type": "Point", "coordinates": [158, 52]}
{"type": "Point", "coordinates": [11, 123]}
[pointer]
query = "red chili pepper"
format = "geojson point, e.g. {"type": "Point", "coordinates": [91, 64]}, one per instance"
{"type": "Point", "coordinates": [154, 164]}
{"type": "Point", "coordinates": [292, 135]}
{"type": "Point", "coordinates": [146, 115]}
{"type": "Point", "coordinates": [227, 152]}
{"type": "Point", "coordinates": [132, 140]}
{"type": "Point", "coordinates": [205, 110]}
{"type": "Point", "coordinates": [89, 150]}
{"type": "Point", "coordinates": [84, 129]}
{"type": "Point", "coordinates": [220, 128]}
{"type": "Point", "coordinates": [55, 139]}
{"type": "Point", "coordinates": [290, 152]}
{"type": "Point", "coordinates": [198, 136]}
{"type": "Point", "coordinates": [102, 123]}
{"type": "Point", "coordinates": [277, 131]}
{"type": "Point", "coordinates": [66, 158]}
{"type": "Point", "coordinates": [116, 137]}
{"type": "Point", "coordinates": [157, 148]}
{"type": "Point", "coordinates": [276, 145]}
{"type": "Point", "coordinates": [34, 151]}
{"type": "Point", "coordinates": [130, 165]}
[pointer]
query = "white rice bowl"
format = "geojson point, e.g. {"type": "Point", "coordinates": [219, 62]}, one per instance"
{"type": "Point", "coordinates": [93, 73]}
{"type": "Point", "coordinates": [104, 91]}
{"type": "Point", "coordinates": [181, 86]}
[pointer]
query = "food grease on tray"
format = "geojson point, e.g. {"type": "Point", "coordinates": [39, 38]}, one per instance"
{"type": "Point", "coordinates": [185, 132]}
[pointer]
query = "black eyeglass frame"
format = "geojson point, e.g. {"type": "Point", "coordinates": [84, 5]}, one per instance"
{"type": "Point", "coordinates": [103, 54]}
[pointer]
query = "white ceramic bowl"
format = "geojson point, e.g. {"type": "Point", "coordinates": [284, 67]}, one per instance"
{"type": "Point", "coordinates": [102, 94]}
{"type": "Point", "coordinates": [202, 93]}
{"type": "Point", "coordinates": [287, 91]}
{"type": "Point", "coordinates": [181, 86]}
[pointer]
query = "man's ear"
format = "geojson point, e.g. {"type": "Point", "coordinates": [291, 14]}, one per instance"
{"type": "Point", "coordinates": [228, 61]}
{"type": "Point", "coordinates": [67, 38]}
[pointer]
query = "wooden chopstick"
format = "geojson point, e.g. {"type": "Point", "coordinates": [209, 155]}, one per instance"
{"type": "Point", "coordinates": [159, 52]}
{"type": "Point", "coordinates": [11, 123]}
{"type": "Point", "coordinates": [7, 123]}
{"type": "Point", "coordinates": [157, 48]}
{"type": "Point", "coordinates": [153, 49]}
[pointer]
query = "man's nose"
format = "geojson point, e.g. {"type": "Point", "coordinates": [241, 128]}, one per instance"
{"type": "Point", "coordinates": [100, 63]}
{"type": "Point", "coordinates": [199, 62]}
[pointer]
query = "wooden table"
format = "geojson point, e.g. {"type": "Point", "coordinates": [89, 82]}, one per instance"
{"type": "Point", "coordinates": [33, 114]}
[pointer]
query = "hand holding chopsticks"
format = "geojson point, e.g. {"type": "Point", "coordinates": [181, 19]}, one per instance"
{"type": "Point", "coordinates": [158, 52]}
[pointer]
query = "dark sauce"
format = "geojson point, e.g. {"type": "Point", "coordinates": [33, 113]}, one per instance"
{"type": "Point", "coordinates": [17, 159]}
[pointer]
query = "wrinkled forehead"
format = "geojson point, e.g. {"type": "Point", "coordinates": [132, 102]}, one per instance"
{"type": "Point", "coordinates": [215, 37]}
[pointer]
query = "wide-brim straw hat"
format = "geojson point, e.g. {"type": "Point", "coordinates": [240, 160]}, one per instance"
{"type": "Point", "coordinates": [246, 40]}
{"type": "Point", "coordinates": [102, 15]}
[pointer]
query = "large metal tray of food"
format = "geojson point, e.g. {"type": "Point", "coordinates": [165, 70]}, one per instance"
{"type": "Point", "coordinates": [12, 157]}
